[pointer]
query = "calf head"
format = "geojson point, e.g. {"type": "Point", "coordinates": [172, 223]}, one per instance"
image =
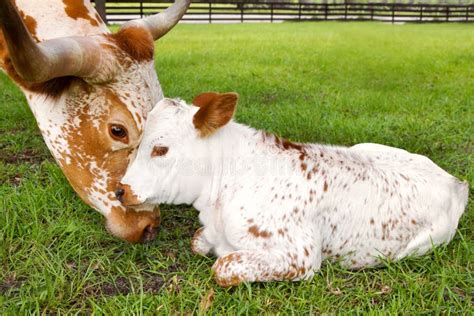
{"type": "Point", "coordinates": [176, 137]}
{"type": "Point", "coordinates": [90, 96]}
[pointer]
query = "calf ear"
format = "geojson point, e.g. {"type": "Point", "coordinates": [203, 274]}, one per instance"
{"type": "Point", "coordinates": [204, 98]}
{"type": "Point", "coordinates": [215, 111]}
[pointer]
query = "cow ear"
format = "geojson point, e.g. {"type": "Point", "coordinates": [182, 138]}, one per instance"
{"type": "Point", "coordinates": [215, 111]}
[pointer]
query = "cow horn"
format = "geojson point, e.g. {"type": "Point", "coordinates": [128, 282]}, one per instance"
{"type": "Point", "coordinates": [161, 23]}
{"type": "Point", "coordinates": [40, 62]}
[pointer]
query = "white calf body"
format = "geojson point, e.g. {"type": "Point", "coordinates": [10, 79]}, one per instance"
{"type": "Point", "coordinates": [274, 210]}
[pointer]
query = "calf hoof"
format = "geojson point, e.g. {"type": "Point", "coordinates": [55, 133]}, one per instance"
{"type": "Point", "coordinates": [225, 270]}
{"type": "Point", "coordinates": [199, 244]}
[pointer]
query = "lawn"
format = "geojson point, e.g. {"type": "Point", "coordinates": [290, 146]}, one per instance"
{"type": "Point", "coordinates": [408, 86]}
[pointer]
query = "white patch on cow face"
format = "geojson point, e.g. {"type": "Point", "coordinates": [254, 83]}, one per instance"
{"type": "Point", "coordinates": [161, 171]}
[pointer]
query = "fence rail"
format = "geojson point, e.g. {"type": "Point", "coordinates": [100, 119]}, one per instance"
{"type": "Point", "coordinates": [119, 11]}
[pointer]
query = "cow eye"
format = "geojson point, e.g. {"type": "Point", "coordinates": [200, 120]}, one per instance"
{"type": "Point", "coordinates": [118, 132]}
{"type": "Point", "coordinates": [159, 151]}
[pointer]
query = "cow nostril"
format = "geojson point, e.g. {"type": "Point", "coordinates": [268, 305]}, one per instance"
{"type": "Point", "coordinates": [119, 194]}
{"type": "Point", "coordinates": [149, 233]}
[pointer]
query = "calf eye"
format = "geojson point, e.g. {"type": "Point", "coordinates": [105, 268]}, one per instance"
{"type": "Point", "coordinates": [159, 151]}
{"type": "Point", "coordinates": [118, 132]}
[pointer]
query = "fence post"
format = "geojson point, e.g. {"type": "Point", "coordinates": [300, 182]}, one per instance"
{"type": "Point", "coordinates": [372, 13]}
{"type": "Point", "coordinates": [467, 13]}
{"type": "Point", "coordinates": [326, 11]}
{"type": "Point", "coordinates": [393, 13]}
{"type": "Point", "coordinates": [271, 12]}
{"type": "Point", "coordinates": [141, 9]}
{"type": "Point", "coordinates": [421, 13]}
{"type": "Point", "coordinates": [210, 12]}
{"type": "Point", "coordinates": [241, 13]}
{"type": "Point", "coordinates": [345, 10]}
{"type": "Point", "coordinates": [299, 10]}
{"type": "Point", "coordinates": [447, 13]}
{"type": "Point", "coordinates": [101, 9]}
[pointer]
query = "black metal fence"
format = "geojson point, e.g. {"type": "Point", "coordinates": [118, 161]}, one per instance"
{"type": "Point", "coordinates": [237, 11]}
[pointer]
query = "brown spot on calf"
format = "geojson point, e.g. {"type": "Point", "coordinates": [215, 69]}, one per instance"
{"type": "Point", "coordinates": [254, 230]}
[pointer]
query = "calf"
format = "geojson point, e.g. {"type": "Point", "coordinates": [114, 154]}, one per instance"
{"type": "Point", "coordinates": [273, 209]}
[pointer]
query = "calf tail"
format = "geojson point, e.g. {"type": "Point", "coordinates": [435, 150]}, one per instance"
{"type": "Point", "coordinates": [459, 201]}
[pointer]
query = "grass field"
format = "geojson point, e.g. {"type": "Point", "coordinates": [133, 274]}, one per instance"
{"type": "Point", "coordinates": [409, 86]}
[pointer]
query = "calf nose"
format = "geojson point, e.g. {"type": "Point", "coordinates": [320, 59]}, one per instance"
{"type": "Point", "coordinates": [119, 194]}
{"type": "Point", "coordinates": [125, 195]}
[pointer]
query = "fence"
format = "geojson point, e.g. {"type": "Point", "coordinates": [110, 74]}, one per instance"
{"type": "Point", "coordinates": [119, 11]}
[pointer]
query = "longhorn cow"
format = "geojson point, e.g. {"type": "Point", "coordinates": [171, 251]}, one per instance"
{"type": "Point", "coordinates": [90, 92]}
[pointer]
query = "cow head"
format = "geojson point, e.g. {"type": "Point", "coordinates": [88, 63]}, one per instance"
{"type": "Point", "coordinates": [90, 96]}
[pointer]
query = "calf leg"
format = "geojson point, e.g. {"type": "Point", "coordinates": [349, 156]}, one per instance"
{"type": "Point", "coordinates": [266, 265]}
{"type": "Point", "coordinates": [199, 243]}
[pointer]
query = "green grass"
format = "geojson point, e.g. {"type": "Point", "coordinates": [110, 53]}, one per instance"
{"type": "Point", "coordinates": [409, 86]}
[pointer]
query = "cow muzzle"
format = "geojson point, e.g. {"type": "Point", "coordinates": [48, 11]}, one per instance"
{"type": "Point", "coordinates": [134, 226]}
